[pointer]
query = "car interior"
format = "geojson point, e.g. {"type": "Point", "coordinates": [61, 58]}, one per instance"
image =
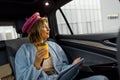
{"type": "Point", "coordinates": [100, 51]}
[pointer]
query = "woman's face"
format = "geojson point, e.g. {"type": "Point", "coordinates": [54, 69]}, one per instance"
{"type": "Point", "coordinates": [45, 31]}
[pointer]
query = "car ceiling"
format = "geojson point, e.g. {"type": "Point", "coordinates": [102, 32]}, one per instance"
{"type": "Point", "coordinates": [18, 9]}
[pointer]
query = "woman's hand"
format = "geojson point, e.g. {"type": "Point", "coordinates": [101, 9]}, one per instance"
{"type": "Point", "coordinates": [76, 60]}
{"type": "Point", "coordinates": [39, 58]}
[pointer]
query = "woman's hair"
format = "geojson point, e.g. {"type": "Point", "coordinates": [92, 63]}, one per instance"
{"type": "Point", "coordinates": [35, 33]}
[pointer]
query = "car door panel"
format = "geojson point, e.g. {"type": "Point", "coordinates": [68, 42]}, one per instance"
{"type": "Point", "coordinates": [100, 56]}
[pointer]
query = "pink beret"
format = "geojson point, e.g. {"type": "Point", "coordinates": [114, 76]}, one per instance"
{"type": "Point", "coordinates": [29, 22]}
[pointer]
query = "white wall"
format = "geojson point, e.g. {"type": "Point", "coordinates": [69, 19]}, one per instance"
{"type": "Point", "coordinates": [110, 7]}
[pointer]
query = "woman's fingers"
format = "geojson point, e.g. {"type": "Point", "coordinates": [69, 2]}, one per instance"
{"type": "Point", "coordinates": [76, 60]}
{"type": "Point", "coordinates": [41, 53]}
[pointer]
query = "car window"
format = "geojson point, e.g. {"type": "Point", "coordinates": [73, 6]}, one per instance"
{"type": "Point", "coordinates": [7, 31]}
{"type": "Point", "coordinates": [85, 17]}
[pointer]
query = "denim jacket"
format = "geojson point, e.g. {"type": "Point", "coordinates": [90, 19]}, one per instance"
{"type": "Point", "coordinates": [24, 62]}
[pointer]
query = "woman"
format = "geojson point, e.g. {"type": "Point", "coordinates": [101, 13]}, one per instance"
{"type": "Point", "coordinates": [31, 62]}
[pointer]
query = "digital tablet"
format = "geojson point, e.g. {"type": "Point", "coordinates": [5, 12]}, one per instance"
{"type": "Point", "coordinates": [70, 72]}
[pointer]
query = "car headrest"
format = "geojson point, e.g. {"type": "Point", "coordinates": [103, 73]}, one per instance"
{"type": "Point", "coordinates": [19, 25]}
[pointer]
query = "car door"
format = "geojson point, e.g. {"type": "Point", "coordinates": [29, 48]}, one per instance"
{"type": "Point", "coordinates": [98, 49]}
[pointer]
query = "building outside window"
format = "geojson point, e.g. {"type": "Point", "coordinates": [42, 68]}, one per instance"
{"type": "Point", "coordinates": [7, 32]}
{"type": "Point", "coordinates": [85, 17]}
